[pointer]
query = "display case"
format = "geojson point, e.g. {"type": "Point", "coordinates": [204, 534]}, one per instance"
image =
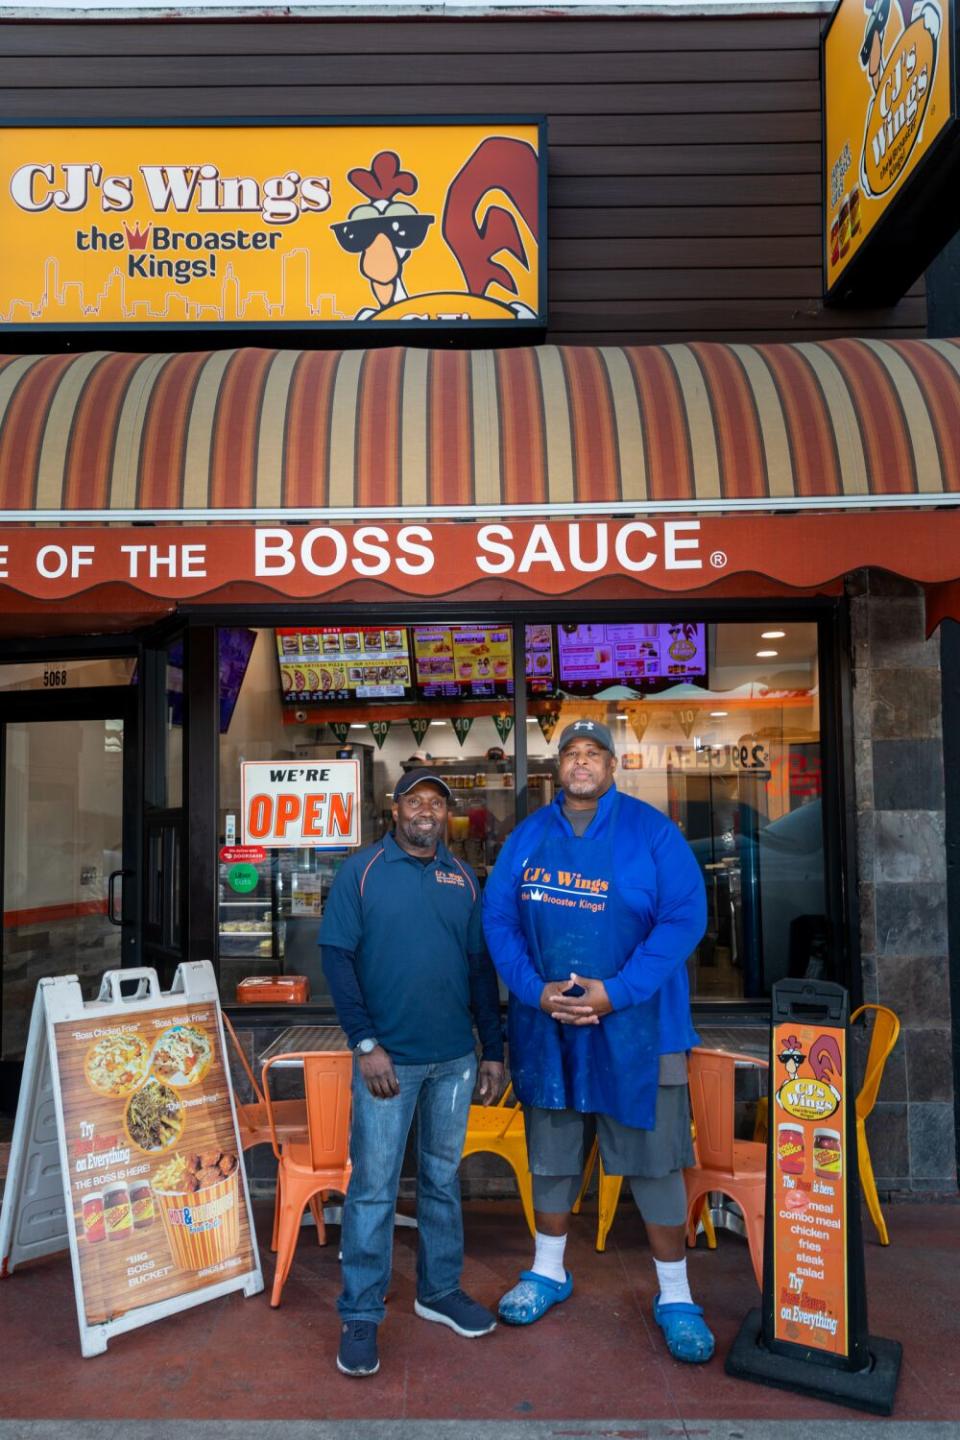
{"type": "Point", "coordinates": [251, 929]}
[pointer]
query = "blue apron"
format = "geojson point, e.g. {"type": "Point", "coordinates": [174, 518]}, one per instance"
{"type": "Point", "coordinates": [575, 919]}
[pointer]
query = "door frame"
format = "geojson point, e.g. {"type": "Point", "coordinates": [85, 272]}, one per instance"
{"type": "Point", "coordinates": [106, 702]}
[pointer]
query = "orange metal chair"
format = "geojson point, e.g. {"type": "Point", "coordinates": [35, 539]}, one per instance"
{"type": "Point", "coordinates": [736, 1168]}
{"type": "Point", "coordinates": [290, 1117]}
{"type": "Point", "coordinates": [311, 1168]}
{"type": "Point", "coordinates": [499, 1129]}
{"type": "Point", "coordinates": [608, 1198]}
{"type": "Point", "coordinates": [886, 1029]}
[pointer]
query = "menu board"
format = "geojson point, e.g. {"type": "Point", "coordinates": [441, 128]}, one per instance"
{"type": "Point", "coordinates": [810, 1219]}
{"type": "Point", "coordinates": [159, 1209]}
{"type": "Point", "coordinates": [463, 661]}
{"type": "Point", "coordinates": [344, 664]}
{"type": "Point", "coordinates": [645, 656]}
{"type": "Point", "coordinates": [540, 663]}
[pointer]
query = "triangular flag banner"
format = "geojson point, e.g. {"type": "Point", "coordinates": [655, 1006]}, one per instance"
{"type": "Point", "coordinates": [639, 720]}
{"type": "Point", "coordinates": [687, 717]}
{"type": "Point", "coordinates": [381, 729]}
{"type": "Point", "coordinates": [461, 726]}
{"type": "Point", "coordinates": [419, 726]}
{"type": "Point", "coordinates": [504, 724]}
{"type": "Point", "coordinates": [340, 730]}
{"type": "Point", "coordinates": [548, 722]}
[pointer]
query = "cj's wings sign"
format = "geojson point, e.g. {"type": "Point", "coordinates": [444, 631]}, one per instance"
{"type": "Point", "coordinates": [890, 199]}
{"type": "Point", "coordinates": [272, 225]}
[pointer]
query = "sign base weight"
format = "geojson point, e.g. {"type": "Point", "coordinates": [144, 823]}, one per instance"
{"type": "Point", "coordinates": [872, 1389]}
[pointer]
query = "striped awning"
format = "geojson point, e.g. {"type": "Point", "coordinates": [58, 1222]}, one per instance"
{"type": "Point", "coordinates": [250, 433]}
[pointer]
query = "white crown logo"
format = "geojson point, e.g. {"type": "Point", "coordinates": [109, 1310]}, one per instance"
{"type": "Point", "coordinates": [536, 894]}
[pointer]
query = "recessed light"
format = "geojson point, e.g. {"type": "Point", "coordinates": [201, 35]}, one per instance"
{"type": "Point", "coordinates": [532, 720]}
{"type": "Point", "coordinates": [767, 654]}
{"type": "Point", "coordinates": [719, 714]}
{"type": "Point", "coordinates": [621, 716]}
{"type": "Point", "coordinates": [438, 722]}
{"type": "Point", "coordinates": [358, 727]}
{"type": "Point", "coordinates": [772, 634]}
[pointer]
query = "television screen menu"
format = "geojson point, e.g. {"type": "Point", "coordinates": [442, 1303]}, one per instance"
{"type": "Point", "coordinates": [593, 656]}
{"type": "Point", "coordinates": [473, 662]}
{"type": "Point", "coordinates": [344, 664]}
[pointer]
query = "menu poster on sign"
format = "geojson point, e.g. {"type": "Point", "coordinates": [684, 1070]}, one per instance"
{"type": "Point", "coordinates": [645, 656]}
{"type": "Point", "coordinates": [463, 661]}
{"type": "Point", "coordinates": [808, 1128]}
{"type": "Point", "coordinates": [343, 664]}
{"type": "Point", "coordinates": [540, 666]}
{"type": "Point", "coordinates": [159, 1209]}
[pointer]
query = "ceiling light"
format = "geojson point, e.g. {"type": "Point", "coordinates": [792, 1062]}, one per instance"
{"type": "Point", "coordinates": [358, 727]}
{"type": "Point", "coordinates": [622, 716]}
{"type": "Point", "coordinates": [772, 634]}
{"type": "Point", "coordinates": [767, 654]}
{"type": "Point", "coordinates": [719, 714]}
{"type": "Point", "coordinates": [438, 722]}
{"type": "Point", "coordinates": [532, 720]}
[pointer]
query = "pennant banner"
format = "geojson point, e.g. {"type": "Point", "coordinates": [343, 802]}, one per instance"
{"type": "Point", "coordinates": [687, 717]}
{"type": "Point", "coordinates": [381, 729]}
{"type": "Point", "coordinates": [639, 720]}
{"type": "Point", "coordinates": [504, 724]}
{"type": "Point", "coordinates": [461, 726]}
{"type": "Point", "coordinates": [419, 726]}
{"type": "Point", "coordinates": [341, 730]}
{"type": "Point", "coordinates": [548, 723]}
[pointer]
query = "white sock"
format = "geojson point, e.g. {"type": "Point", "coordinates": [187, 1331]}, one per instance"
{"type": "Point", "coordinates": [548, 1260]}
{"type": "Point", "coordinates": [672, 1278]}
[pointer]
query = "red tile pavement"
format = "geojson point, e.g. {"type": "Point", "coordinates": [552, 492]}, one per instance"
{"type": "Point", "coordinates": [598, 1356]}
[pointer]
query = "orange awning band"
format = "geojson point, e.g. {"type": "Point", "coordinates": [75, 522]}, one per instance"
{"type": "Point", "coordinates": [693, 428]}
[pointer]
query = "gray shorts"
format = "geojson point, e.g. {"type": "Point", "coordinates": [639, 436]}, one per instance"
{"type": "Point", "coordinates": [558, 1141]}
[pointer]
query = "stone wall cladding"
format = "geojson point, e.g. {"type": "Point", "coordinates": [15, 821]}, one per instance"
{"type": "Point", "coordinates": [901, 867]}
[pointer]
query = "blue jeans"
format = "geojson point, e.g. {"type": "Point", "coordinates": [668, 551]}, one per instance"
{"type": "Point", "coordinates": [440, 1097]}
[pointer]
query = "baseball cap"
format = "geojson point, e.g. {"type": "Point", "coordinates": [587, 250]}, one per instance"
{"type": "Point", "coordinates": [418, 777]}
{"type": "Point", "coordinates": [587, 730]}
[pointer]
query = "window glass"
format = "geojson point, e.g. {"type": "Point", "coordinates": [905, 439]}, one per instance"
{"type": "Point", "coordinates": [394, 697]}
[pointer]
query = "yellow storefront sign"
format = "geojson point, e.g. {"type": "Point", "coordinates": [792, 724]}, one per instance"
{"type": "Point", "coordinates": [887, 101]}
{"type": "Point", "coordinates": [272, 224]}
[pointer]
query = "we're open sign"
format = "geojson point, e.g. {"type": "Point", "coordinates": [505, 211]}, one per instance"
{"type": "Point", "coordinates": [314, 804]}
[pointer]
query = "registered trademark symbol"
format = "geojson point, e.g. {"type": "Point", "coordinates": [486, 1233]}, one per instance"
{"type": "Point", "coordinates": [718, 559]}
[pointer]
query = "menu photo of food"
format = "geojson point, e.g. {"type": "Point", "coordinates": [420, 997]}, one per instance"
{"type": "Point", "coordinates": [153, 1155]}
{"type": "Point", "coordinates": [463, 660]}
{"type": "Point", "coordinates": [539, 663]}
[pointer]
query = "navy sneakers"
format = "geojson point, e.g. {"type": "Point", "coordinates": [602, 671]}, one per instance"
{"type": "Point", "coordinates": [358, 1348]}
{"type": "Point", "coordinates": [459, 1312]}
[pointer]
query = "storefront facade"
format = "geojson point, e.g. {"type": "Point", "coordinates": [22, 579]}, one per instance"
{"type": "Point", "coordinates": [707, 521]}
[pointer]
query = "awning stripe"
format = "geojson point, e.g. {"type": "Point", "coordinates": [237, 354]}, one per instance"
{"type": "Point", "coordinates": [686, 424]}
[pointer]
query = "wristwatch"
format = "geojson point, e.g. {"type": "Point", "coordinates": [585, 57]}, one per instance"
{"type": "Point", "coordinates": [365, 1047]}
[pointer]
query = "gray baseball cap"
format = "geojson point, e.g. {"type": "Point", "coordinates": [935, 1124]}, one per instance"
{"type": "Point", "coordinates": [587, 730]}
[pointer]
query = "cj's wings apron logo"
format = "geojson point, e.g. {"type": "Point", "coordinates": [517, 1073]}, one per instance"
{"type": "Point", "coordinates": [901, 70]}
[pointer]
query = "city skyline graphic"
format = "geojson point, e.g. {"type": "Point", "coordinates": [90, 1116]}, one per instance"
{"type": "Point", "coordinates": [62, 300]}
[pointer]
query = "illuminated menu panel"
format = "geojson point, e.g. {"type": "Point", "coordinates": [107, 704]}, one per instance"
{"type": "Point", "coordinates": [463, 661]}
{"type": "Point", "coordinates": [540, 664]}
{"type": "Point", "coordinates": [591, 656]}
{"type": "Point", "coordinates": [344, 664]}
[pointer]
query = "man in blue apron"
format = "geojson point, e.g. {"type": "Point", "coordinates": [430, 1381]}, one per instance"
{"type": "Point", "coordinates": [590, 914]}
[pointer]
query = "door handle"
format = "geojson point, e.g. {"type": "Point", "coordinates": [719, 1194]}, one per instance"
{"type": "Point", "coordinates": [112, 915]}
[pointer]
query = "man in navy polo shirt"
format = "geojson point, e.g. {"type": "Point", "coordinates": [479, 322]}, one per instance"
{"type": "Point", "coordinates": [408, 970]}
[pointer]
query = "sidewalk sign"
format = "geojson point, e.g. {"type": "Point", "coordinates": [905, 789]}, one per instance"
{"type": "Point", "coordinates": [810, 1333]}
{"type": "Point", "coordinates": [126, 1150]}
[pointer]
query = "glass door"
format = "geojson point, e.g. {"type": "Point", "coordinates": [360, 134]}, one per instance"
{"type": "Point", "coordinates": [69, 871]}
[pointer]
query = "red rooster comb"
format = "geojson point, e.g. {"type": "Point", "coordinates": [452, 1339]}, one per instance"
{"type": "Point", "coordinates": [384, 179]}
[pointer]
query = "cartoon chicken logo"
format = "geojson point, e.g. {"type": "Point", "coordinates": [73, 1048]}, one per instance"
{"type": "Point", "coordinates": [479, 230]}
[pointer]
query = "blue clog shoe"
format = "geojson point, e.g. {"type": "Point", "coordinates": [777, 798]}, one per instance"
{"type": "Point", "coordinates": [688, 1336]}
{"type": "Point", "coordinates": [533, 1296]}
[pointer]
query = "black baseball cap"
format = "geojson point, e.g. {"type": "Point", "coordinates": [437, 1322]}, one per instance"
{"type": "Point", "coordinates": [419, 777]}
{"type": "Point", "coordinates": [587, 730]}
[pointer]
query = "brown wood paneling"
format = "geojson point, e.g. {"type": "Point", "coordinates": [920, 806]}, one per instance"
{"type": "Point", "coordinates": [406, 37]}
{"type": "Point", "coordinates": [685, 154]}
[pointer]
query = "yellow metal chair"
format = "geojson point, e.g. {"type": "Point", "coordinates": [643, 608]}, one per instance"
{"type": "Point", "coordinates": [886, 1028]}
{"type": "Point", "coordinates": [499, 1129]}
{"type": "Point", "coordinates": [608, 1198]}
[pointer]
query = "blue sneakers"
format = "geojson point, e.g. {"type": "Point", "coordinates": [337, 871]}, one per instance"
{"type": "Point", "coordinates": [458, 1311]}
{"type": "Point", "coordinates": [358, 1348]}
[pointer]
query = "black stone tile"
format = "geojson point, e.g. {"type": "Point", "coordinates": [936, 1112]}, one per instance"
{"type": "Point", "coordinates": [932, 1141]}
{"type": "Point", "coordinates": [911, 919]}
{"type": "Point", "coordinates": [907, 775]}
{"type": "Point", "coordinates": [916, 987]}
{"type": "Point", "coordinates": [929, 1055]}
{"type": "Point", "coordinates": [884, 583]}
{"type": "Point", "coordinates": [905, 704]}
{"type": "Point", "coordinates": [888, 1141]}
{"type": "Point", "coordinates": [895, 630]}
